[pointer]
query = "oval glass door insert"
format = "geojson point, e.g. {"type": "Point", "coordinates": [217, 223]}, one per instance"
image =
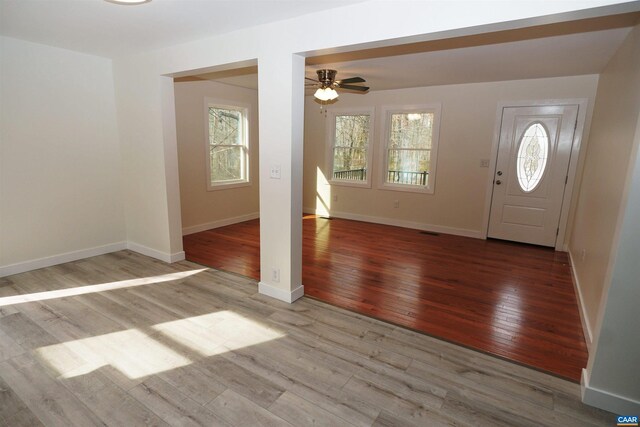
{"type": "Point", "coordinates": [532, 157]}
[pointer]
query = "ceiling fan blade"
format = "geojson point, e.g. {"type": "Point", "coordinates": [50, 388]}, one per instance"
{"type": "Point", "coordinates": [313, 80]}
{"type": "Point", "coordinates": [352, 80]}
{"type": "Point", "coordinates": [352, 87]}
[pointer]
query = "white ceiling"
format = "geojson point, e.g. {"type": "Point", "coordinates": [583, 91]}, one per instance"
{"type": "Point", "coordinates": [554, 56]}
{"type": "Point", "coordinates": [566, 55]}
{"type": "Point", "coordinates": [106, 29]}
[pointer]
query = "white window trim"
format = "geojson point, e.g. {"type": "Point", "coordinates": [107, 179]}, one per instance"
{"type": "Point", "coordinates": [246, 113]}
{"type": "Point", "coordinates": [386, 112]}
{"type": "Point", "coordinates": [330, 140]}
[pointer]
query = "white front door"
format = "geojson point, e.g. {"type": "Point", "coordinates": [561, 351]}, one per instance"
{"type": "Point", "coordinates": [531, 173]}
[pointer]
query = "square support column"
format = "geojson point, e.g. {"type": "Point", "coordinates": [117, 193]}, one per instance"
{"type": "Point", "coordinates": [281, 111]}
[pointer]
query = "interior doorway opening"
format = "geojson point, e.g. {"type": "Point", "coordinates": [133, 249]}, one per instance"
{"type": "Point", "coordinates": [402, 78]}
{"type": "Point", "coordinates": [218, 160]}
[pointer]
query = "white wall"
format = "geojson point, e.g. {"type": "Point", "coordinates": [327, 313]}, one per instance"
{"type": "Point", "coordinates": [60, 173]}
{"type": "Point", "coordinates": [202, 209]}
{"type": "Point", "coordinates": [605, 173]}
{"type": "Point", "coordinates": [469, 114]}
{"type": "Point", "coordinates": [606, 228]}
{"type": "Point", "coordinates": [612, 377]}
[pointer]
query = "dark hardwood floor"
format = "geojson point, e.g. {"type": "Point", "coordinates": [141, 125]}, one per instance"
{"type": "Point", "coordinates": [511, 300]}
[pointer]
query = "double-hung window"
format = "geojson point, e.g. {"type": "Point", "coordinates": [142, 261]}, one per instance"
{"type": "Point", "coordinates": [350, 154]}
{"type": "Point", "coordinates": [410, 147]}
{"type": "Point", "coordinates": [227, 145]}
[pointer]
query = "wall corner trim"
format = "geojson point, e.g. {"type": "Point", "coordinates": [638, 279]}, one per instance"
{"type": "Point", "coordinates": [280, 294]}
{"type": "Point", "coordinates": [153, 253]}
{"type": "Point", "coordinates": [606, 400]}
{"type": "Point", "coordinates": [21, 267]}
{"type": "Point", "coordinates": [586, 329]}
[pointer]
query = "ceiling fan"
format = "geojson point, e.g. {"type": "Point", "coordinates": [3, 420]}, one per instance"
{"type": "Point", "coordinates": [327, 84]}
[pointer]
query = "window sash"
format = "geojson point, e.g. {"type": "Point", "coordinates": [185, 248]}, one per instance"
{"type": "Point", "coordinates": [409, 147]}
{"type": "Point", "coordinates": [350, 157]}
{"type": "Point", "coordinates": [235, 168]}
{"type": "Point", "coordinates": [228, 146]}
{"type": "Point", "coordinates": [337, 117]}
{"type": "Point", "coordinates": [411, 136]}
{"type": "Point", "coordinates": [355, 170]}
{"type": "Point", "coordinates": [238, 118]}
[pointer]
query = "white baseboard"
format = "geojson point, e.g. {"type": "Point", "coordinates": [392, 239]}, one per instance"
{"type": "Point", "coordinates": [314, 211]}
{"type": "Point", "coordinates": [21, 267]}
{"type": "Point", "coordinates": [154, 253]}
{"type": "Point", "coordinates": [35, 264]}
{"type": "Point", "coordinates": [603, 399]}
{"type": "Point", "coordinates": [176, 257]}
{"type": "Point", "coordinates": [219, 223]}
{"type": "Point", "coordinates": [281, 294]}
{"type": "Point", "coordinates": [586, 329]}
{"type": "Point", "coordinates": [401, 223]}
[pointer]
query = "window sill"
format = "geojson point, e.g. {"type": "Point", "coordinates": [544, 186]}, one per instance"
{"type": "Point", "coordinates": [345, 183]}
{"type": "Point", "coordinates": [228, 185]}
{"type": "Point", "coordinates": [408, 188]}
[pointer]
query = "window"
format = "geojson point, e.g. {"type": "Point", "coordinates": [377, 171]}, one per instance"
{"type": "Point", "coordinates": [350, 156]}
{"type": "Point", "coordinates": [227, 146]}
{"type": "Point", "coordinates": [410, 148]}
{"type": "Point", "coordinates": [532, 157]}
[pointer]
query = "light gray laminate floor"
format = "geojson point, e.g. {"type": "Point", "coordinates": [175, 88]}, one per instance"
{"type": "Point", "coordinates": [122, 339]}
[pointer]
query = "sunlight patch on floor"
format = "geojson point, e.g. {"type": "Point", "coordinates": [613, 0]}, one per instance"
{"type": "Point", "coordinates": [215, 333]}
{"type": "Point", "coordinates": [132, 352]}
{"type": "Point", "coordinates": [82, 290]}
{"type": "Point", "coordinates": [165, 346]}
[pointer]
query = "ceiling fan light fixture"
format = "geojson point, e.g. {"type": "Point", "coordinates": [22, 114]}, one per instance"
{"type": "Point", "coordinates": [326, 94]}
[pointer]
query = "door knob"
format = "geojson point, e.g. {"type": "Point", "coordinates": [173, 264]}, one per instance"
{"type": "Point", "coordinates": [499, 173]}
{"type": "Point", "coordinates": [498, 182]}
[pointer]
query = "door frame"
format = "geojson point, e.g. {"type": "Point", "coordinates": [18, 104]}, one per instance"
{"type": "Point", "coordinates": [573, 161]}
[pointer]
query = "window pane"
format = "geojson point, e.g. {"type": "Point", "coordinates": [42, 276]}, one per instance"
{"type": "Point", "coordinates": [350, 147]}
{"type": "Point", "coordinates": [225, 126]}
{"type": "Point", "coordinates": [532, 157]}
{"type": "Point", "coordinates": [411, 130]}
{"type": "Point", "coordinates": [227, 163]}
{"type": "Point", "coordinates": [352, 131]}
{"type": "Point", "coordinates": [228, 145]}
{"type": "Point", "coordinates": [350, 164]}
{"type": "Point", "coordinates": [408, 167]}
